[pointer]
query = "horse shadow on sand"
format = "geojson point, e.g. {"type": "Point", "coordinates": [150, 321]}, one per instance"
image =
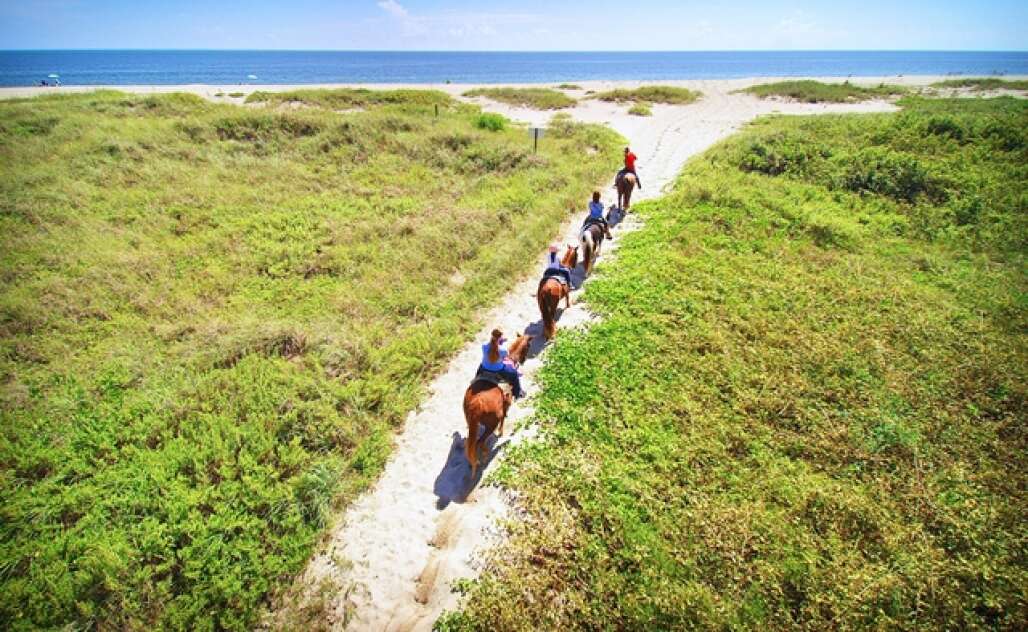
{"type": "Point", "coordinates": [615, 215]}
{"type": "Point", "coordinates": [454, 483]}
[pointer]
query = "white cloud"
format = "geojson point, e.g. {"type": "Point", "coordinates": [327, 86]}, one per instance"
{"type": "Point", "coordinates": [393, 8]}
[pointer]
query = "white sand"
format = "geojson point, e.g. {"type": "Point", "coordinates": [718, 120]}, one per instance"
{"type": "Point", "coordinates": [394, 555]}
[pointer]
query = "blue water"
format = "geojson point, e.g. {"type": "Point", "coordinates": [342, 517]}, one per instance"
{"type": "Point", "coordinates": [153, 67]}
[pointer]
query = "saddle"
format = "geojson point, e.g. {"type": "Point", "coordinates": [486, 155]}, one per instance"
{"type": "Point", "coordinates": [563, 275]}
{"type": "Point", "coordinates": [495, 377]}
{"type": "Point", "coordinates": [591, 223]}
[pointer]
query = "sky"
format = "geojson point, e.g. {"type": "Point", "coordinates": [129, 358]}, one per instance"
{"type": "Point", "coordinates": [510, 25]}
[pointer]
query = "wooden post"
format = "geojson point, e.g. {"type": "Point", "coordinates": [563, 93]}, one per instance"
{"type": "Point", "coordinates": [535, 143]}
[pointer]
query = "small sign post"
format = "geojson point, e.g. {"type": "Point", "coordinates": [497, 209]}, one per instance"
{"type": "Point", "coordinates": [536, 133]}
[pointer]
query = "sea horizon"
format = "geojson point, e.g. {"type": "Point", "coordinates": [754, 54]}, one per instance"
{"type": "Point", "coordinates": [125, 66]}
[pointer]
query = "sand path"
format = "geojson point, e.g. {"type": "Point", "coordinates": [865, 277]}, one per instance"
{"type": "Point", "coordinates": [394, 556]}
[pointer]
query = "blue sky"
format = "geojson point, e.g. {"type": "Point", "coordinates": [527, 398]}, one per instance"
{"type": "Point", "coordinates": [515, 25]}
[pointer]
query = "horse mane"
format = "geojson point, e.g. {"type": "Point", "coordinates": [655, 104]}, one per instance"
{"type": "Point", "coordinates": [570, 257]}
{"type": "Point", "coordinates": [514, 351]}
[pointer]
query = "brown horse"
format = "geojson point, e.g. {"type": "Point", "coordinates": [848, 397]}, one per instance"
{"type": "Point", "coordinates": [552, 290]}
{"type": "Point", "coordinates": [591, 238]}
{"type": "Point", "coordinates": [625, 186]}
{"type": "Point", "coordinates": [486, 404]}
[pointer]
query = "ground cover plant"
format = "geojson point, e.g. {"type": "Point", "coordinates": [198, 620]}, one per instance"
{"type": "Point", "coordinates": [804, 405]}
{"type": "Point", "coordinates": [640, 109]}
{"type": "Point", "coordinates": [349, 98]}
{"type": "Point", "coordinates": [810, 91]}
{"type": "Point", "coordinates": [650, 94]}
{"type": "Point", "coordinates": [983, 83]}
{"type": "Point", "coordinates": [212, 319]}
{"type": "Point", "coordinates": [536, 98]}
{"type": "Point", "coordinates": [569, 86]}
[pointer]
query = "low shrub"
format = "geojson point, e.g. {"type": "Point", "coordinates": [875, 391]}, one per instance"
{"type": "Point", "coordinates": [491, 121]}
{"type": "Point", "coordinates": [537, 98]}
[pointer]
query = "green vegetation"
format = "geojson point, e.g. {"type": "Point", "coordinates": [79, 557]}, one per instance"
{"type": "Point", "coordinates": [537, 98]}
{"type": "Point", "coordinates": [212, 319]}
{"type": "Point", "coordinates": [983, 83]}
{"type": "Point", "coordinates": [491, 121]}
{"type": "Point", "coordinates": [804, 407]}
{"type": "Point", "coordinates": [816, 92]}
{"type": "Point", "coordinates": [569, 86]}
{"type": "Point", "coordinates": [640, 109]}
{"type": "Point", "coordinates": [352, 98]}
{"type": "Point", "coordinates": [236, 95]}
{"type": "Point", "coordinates": [650, 94]}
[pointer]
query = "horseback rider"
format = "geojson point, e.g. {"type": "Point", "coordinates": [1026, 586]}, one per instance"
{"type": "Point", "coordinates": [496, 360]}
{"type": "Point", "coordinates": [596, 215]}
{"type": "Point", "coordinates": [630, 159]}
{"type": "Point", "coordinates": [556, 268]}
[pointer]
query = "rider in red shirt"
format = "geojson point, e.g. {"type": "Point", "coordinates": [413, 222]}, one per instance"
{"type": "Point", "coordinates": [630, 167]}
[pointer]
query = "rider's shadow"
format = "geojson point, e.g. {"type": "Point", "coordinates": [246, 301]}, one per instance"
{"type": "Point", "coordinates": [615, 215]}
{"type": "Point", "coordinates": [454, 483]}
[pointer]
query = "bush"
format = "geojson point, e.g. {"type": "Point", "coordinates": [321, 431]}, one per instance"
{"type": "Point", "coordinates": [886, 172]}
{"type": "Point", "coordinates": [651, 94]}
{"type": "Point", "coordinates": [490, 121]}
{"type": "Point", "coordinates": [986, 83]}
{"type": "Point", "coordinates": [817, 92]}
{"type": "Point", "coordinates": [640, 109]}
{"type": "Point", "coordinates": [538, 98]}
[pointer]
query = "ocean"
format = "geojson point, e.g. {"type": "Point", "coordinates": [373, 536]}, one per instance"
{"type": "Point", "coordinates": [221, 67]}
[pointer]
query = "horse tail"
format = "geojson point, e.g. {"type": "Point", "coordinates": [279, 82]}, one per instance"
{"type": "Point", "coordinates": [587, 250]}
{"type": "Point", "coordinates": [471, 443]}
{"type": "Point", "coordinates": [548, 308]}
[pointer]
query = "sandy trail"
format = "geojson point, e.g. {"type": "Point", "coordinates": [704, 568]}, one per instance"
{"type": "Point", "coordinates": [394, 556]}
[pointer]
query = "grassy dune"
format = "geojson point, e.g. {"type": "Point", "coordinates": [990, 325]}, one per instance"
{"type": "Point", "coordinates": [349, 98]}
{"type": "Point", "coordinates": [213, 317]}
{"type": "Point", "coordinates": [816, 92]}
{"type": "Point", "coordinates": [650, 94]}
{"type": "Point", "coordinates": [983, 83]}
{"type": "Point", "coordinates": [805, 406]}
{"type": "Point", "coordinates": [536, 98]}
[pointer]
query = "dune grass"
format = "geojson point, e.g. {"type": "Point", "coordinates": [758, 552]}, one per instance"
{"type": "Point", "coordinates": [349, 98]}
{"type": "Point", "coordinates": [569, 86]}
{"type": "Point", "coordinates": [640, 109]}
{"type": "Point", "coordinates": [983, 83]}
{"type": "Point", "coordinates": [212, 320]}
{"type": "Point", "coordinates": [650, 94]}
{"type": "Point", "coordinates": [810, 91]}
{"type": "Point", "coordinates": [804, 406]}
{"type": "Point", "coordinates": [535, 98]}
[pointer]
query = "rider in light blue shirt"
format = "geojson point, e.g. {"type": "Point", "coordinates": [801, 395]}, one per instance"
{"type": "Point", "coordinates": [596, 215]}
{"type": "Point", "coordinates": [556, 266]}
{"type": "Point", "coordinates": [495, 359]}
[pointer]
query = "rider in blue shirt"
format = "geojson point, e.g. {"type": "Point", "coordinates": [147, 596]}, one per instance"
{"type": "Point", "coordinates": [495, 359]}
{"type": "Point", "coordinates": [555, 266]}
{"type": "Point", "coordinates": [596, 215]}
